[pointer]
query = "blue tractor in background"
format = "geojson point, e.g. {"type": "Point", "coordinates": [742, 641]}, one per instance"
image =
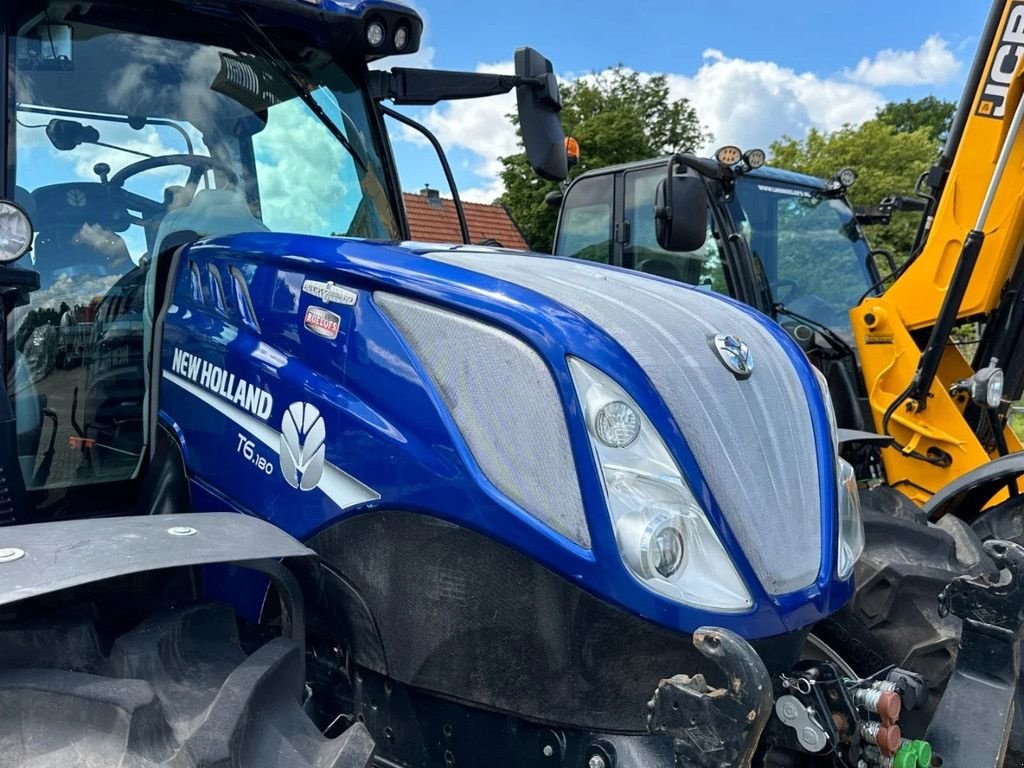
{"type": "Point", "coordinates": [551, 513]}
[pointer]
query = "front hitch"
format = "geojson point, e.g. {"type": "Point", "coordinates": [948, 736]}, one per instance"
{"type": "Point", "coordinates": [713, 727]}
{"type": "Point", "coordinates": [971, 726]}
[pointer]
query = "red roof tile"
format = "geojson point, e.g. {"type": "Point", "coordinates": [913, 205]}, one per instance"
{"type": "Point", "coordinates": [433, 223]}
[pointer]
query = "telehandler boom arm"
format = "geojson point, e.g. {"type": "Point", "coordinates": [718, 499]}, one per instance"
{"type": "Point", "coordinates": [918, 381]}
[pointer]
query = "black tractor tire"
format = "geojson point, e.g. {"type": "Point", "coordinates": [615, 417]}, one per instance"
{"type": "Point", "coordinates": [176, 691]}
{"type": "Point", "coordinates": [894, 617]}
{"type": "Point", "coordinates": [1003, 521]}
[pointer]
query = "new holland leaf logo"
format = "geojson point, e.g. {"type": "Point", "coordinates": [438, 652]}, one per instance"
{"type": "Point", "coordinates": [302, 446]}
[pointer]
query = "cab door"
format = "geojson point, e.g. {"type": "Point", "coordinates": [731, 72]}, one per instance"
{"type": "Point", "coordinates": [705, 268]}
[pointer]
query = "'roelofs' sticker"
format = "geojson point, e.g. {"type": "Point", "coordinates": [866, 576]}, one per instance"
{"type": "Point", "coordinates": [322, 322]}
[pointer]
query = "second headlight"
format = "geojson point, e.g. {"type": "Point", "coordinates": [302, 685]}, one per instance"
{"type": "Point", "coordinates": [663, 534]}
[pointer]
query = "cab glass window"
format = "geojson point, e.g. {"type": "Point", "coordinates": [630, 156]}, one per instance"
{"type": "Point", "coordinates": [124, 145]}
{"type": "Point", "coordinates": [585, 230]}
{"type": "Point", "coordinates": [703, 268]}
{"type": "Point", "coordinates": [808, 242]}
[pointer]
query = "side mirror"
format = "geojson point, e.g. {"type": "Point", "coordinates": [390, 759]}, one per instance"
{"type": "Point", "coordinates": [539, 104]}
{"type": "Point", "coordinates": [66, 135]}
{"type": "Point", "coordinates": [47, 47]}
{"type": "Point", "coordinates": [681, 211]}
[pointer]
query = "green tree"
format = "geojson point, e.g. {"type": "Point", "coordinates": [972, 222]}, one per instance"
{"type": "Point", "coordinates": [931, 113]}
{"type": "Point", "coordinates": [888, 161]}
{"type": "Point", "coordinates": [617, 116]}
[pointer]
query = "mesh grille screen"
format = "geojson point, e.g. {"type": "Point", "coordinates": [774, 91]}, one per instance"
{"type": "Point", "coordinates": [753, 439]}
{"type": "Point", "coordinates": [506, 406]}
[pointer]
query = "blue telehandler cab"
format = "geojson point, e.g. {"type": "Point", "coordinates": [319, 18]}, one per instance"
{"type": "Point", "coordinates": [309, 494]}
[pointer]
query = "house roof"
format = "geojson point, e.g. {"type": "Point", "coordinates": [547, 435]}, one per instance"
{"type": "Point", "coordinates": [433, 220]}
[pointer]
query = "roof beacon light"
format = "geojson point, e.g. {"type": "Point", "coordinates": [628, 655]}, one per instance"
{"type": "Point", "coordinates": [375, 33]}
{"type": "Point", "coordinates": [847, 177]}
{"type": "Point", "coordinates": [729, 155]}
{"type": "Point", "coordinates": [572, 151]}
{"type": "Point", "coordinates": [15, 232]}
{"type": "Point", "coordinates": [754, 158]}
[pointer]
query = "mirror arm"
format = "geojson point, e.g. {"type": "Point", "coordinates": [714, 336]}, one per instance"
{"type": "Point", "coordinates": [449, 176]}
{"type": "Point", "coordinates": [708, 168]}
{"type": "Point", "coordinates": [426, 87]}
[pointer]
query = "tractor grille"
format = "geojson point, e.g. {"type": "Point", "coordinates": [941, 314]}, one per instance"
{"type": "Point", "coordinates": [506, 406]}
{"type": "Point", "coordinates": [753, 439]}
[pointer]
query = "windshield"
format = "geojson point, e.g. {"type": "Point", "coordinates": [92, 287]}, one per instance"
{"type": "Point", "coordinates": [126, 144]}
{"type": "Point", "coordinates": [813, 253]}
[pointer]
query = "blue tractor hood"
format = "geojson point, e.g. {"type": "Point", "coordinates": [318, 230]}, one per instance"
{"type": "Point", "coordinates": [309, 380]}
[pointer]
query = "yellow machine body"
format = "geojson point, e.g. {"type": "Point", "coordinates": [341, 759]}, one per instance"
{"type": "Point", "coordinates": [885, 327]}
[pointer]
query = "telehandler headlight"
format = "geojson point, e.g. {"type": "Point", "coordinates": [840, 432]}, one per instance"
{"type": "Point", "coordinates": [729, 155]}
{"type": "Point", "coordinates": [988, 387]}
{"type": "Point", "coordinates": [851, 526]}
{"type": "Point", "coordinates": [985, 387]}
{"type": "Point", "coordinates": [847, 177]}
{"type": "Point", "coordinates": [662, 532]}
{"type": "Point", "coordinates": [994, 391]}
{"type": "Point", "coordinates": [15, 232]}
{"type": "Point", "coordinates": [754, 158]}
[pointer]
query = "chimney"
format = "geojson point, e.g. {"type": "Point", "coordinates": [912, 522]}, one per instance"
{"type": "Point", "coordinates": [433, 196]}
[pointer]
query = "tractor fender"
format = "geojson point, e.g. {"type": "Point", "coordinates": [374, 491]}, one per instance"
{"type": "Point", "coordinates": [967, 496]}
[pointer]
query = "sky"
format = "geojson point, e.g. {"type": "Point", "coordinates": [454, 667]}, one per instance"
{"type": "Point", "coordinates": [754, 70]}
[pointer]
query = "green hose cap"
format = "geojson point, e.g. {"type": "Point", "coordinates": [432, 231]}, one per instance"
{"type": "Point", "coordinates": [913, 754]}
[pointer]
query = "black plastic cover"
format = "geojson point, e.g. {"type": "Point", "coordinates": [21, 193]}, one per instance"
{"type": "Point", "coordinates": [66, 554]}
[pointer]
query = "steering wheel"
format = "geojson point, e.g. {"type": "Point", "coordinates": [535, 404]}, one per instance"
{"type": "Point", "coordinates": [198, 163]}
{"type": "Point", "coordinates": [785, 282]}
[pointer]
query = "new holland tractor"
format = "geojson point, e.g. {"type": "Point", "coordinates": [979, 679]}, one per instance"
{"type": "Point", "coordinates": [923, 415]}
{"type": "Point", "coordinates": [313, 495]}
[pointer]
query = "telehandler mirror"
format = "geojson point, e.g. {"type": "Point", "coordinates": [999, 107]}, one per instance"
{"type": "Point", "coordinates": [681, 212]}
{"type": "Point", "coordinates": [539, 105]}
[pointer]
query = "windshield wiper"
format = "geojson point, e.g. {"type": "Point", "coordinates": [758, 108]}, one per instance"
{"type": "Point", "coordinates": [266, 48]}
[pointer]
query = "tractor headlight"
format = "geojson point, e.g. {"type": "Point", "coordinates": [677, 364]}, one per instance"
{"type": "Point", "coordinates": [401, 37]}
{"type": "Point", "coordinates": [851, 526]}
{"type": "Point", "coordinates": [662, 533]}
{"type": "Point", "coordinates": [15, 232]}
{"type": "Point", "coordinates": [375, 33]}
{"type": "Point", "coordinates": [830, 410]}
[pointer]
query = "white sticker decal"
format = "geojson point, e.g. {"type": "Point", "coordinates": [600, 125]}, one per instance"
{"type": "Point", "coordinates": [330, 293]}
{"type": "Point", "coordinates": [336, 484]}
{"type": "Point", "coordinates": [303, 438]}
{"type": "Point", "coordinates": [257, 401]}
{"type": "Point", "coordinates": [784, 191]}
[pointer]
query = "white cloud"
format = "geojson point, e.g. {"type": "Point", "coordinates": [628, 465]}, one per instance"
{"type": "Point", "coordinates": [422, 59]}
{"type": "Point", "coordinates": [752, 103]}
{"type": "Point", "coordinates": [931, 64]}
{"type": "Point", "coordinates": [486, 193]}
